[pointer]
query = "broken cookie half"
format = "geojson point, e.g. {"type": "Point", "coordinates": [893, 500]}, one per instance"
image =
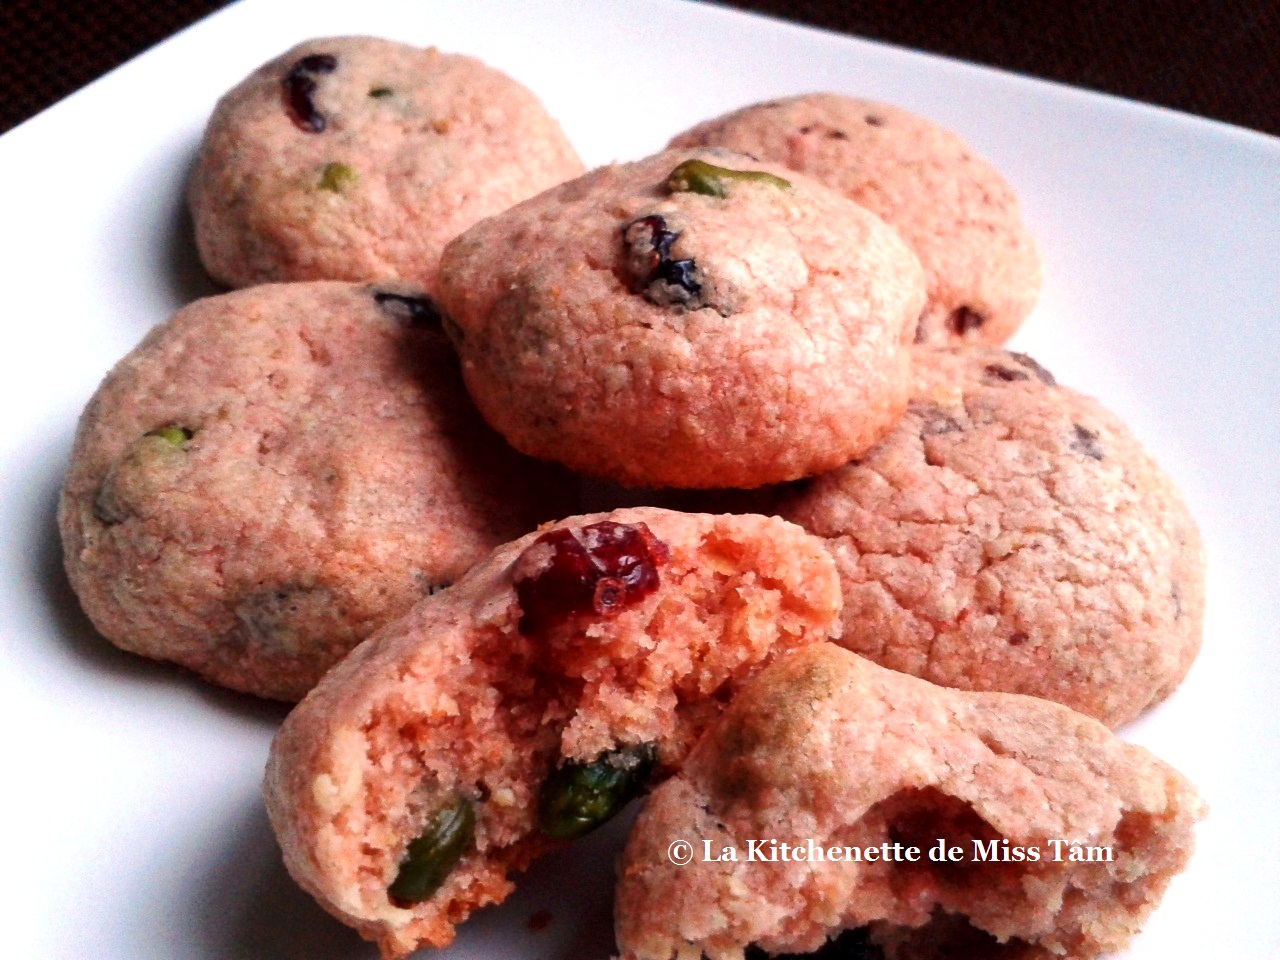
{"type": "Point", "coordinates": [526, 704]}
{"type": "Point", "coordinates": [836, 795]}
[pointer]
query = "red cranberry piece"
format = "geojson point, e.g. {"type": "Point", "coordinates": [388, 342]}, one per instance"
{"type": "Point", "coordinates": [996, 371]}
{"type": "Point", "coordinates": [934, 421]}
{"type": "Point", "coordinates": [566, 586]}
{"type": "Point", "coordinates": [963, 319]}
{"type": "Point", "coordinates": [601, 571]}
{"type": "Point", "coordinates": [828, 133]}
{"type": "Point", "coordinates": [662, 280]}
{"type": "Point", "coordinates": [1041, 374]}
{"type": "Point", "coordinates": [653, 231]}
{"type": "Point", "coordinates": [300, 83]}
{"type": "Point", "coordinates": [1085, 441]}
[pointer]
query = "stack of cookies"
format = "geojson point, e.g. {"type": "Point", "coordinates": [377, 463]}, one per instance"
{"type": "Point", "coordinates": [351, 482]}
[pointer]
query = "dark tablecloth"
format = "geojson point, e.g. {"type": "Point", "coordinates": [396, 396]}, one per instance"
{"type": "Point", "coordinates": [1216, 58]}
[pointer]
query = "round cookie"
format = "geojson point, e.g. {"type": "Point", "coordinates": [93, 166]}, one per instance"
{"type": "Point", "coordinates": [526, 704]}
{"type": "Point", "coordinates": [694, 319]}
{"type": "Point", "coordinates": [952, 207]}
{"type": "Point", "coordinates": [1060, 839]}
{"type": "Point", "coordinates": [275, 472]}
{"type": "Point", "coordinates": [355, 158]}
{"type": "Point", "coordinates": [1011, 534]}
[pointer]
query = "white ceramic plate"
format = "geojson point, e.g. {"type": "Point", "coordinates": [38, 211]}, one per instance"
{"type": "Point", "coordinates": [132, 822]}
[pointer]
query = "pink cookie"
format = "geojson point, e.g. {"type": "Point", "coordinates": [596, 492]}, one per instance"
{"type": "Point", "coordinates": [1064, 837]}
{"type": "Point", "coordinates": [274, 473]}
{"type": "Point", "coordinates": [951, 206]}
{"type": "Point", "coordinates": [1011, 534]}
{"type": "Point", "coordinates": [526, 704]}
{"type": "Point", "coordinates": [354, 158]}
{"type": "Point", "coordinates": [695, 319]}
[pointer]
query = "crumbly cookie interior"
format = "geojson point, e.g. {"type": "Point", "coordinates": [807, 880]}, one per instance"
{"type": "Point", "coordinates": [458, 704]}
{"type": "Point", "coordinates": [1079, 832]}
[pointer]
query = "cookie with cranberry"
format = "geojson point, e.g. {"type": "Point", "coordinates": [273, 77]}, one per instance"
{"type": "Point", "coordinates": [1064, 837]}
{"type": "Point", "coordinates": [1011, 534]}
{"type": "Point", "coordinates": [275, 472]}
{"type": "Point", "coordinates": [695, 319]}
{"type": "Point", "coordinates": [355, 158]}
{"type": "Point", "coordinates": [528, 703]}
{"type": "Point", "coordinates": [952, 207]}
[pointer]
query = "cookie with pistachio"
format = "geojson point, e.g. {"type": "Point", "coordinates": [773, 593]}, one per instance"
{"type": "Point", "coordinates": [955, 210]}
{"type": "Point", "coordinates": [275, 472]}
{"type": "Point", "coordinates": [1012, 534]}
{"type": "Point", "coordinates": [837, 795]}
{"type": "Point", "coordinates": [356, 158]}
{"type": "Point", "coordinates": [526, 704]}
{"type": "Point", "coordinates": [696, 319]}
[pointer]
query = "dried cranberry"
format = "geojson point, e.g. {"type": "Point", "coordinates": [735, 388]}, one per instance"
{"type": "Point", "coordinates": [317, 63]}
{"type": "Point", "coordinates": [933, 419]}
{"type": "Point", "coordinates": [963, 319]}
{"type": "Point", "coordinates": [1026, 369]}
{"type": "Point", "coordinates": [1043, 375]}
{"type": "Point", "coordinates": [682, 274]}
{"type": "Point", "coordinates": [659, 237]}
{"type": "Point", "coordinates": [995, 371]}
{"type": "Point", "coordinates": [662, 280]}
{"type": "Point", "coordinates": [418, 310]}
{"type": "Point", "coordinates": [1086, 442]}
{"type": "Point", "coordinates": [829, 133]}
{"type": "Point", "coordinates": [300, 83]}
{"type": "Point", "coordinates": [602, 570]}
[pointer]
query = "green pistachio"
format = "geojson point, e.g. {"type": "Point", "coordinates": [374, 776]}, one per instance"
{"type": "Point", "coordinates": [174, 435]}
{"type": "Point", "coordinates": [428, 860]}
{"type": "Point", "coordinates": [698, 176]}
{"type": "Point", "coordinates": [337, 177]}
{"type": "Point", "coordinates": [381, 93]}
{"type": "Point", "coordinates": [141, 467]}
{"type": "Point", "coordinates": [578, 797]}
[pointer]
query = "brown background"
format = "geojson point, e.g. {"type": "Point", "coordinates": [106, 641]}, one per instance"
{"type": "Point", "coordinates": [1216, 58]}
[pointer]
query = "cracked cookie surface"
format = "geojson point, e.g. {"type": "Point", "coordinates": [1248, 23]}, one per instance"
{"type": "Point", "coordinates": [690, 320]}
{"type": "Point", "coordinates": [828, 751]}
{"type": "Point", "coordinates": [275, 472]}
{"type": "Point", "coordinates": [1011, 534]}
{"type": "Point", "coordinates": [952, 207]}
{"type": "Point", "coordinates": [355, 158]}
